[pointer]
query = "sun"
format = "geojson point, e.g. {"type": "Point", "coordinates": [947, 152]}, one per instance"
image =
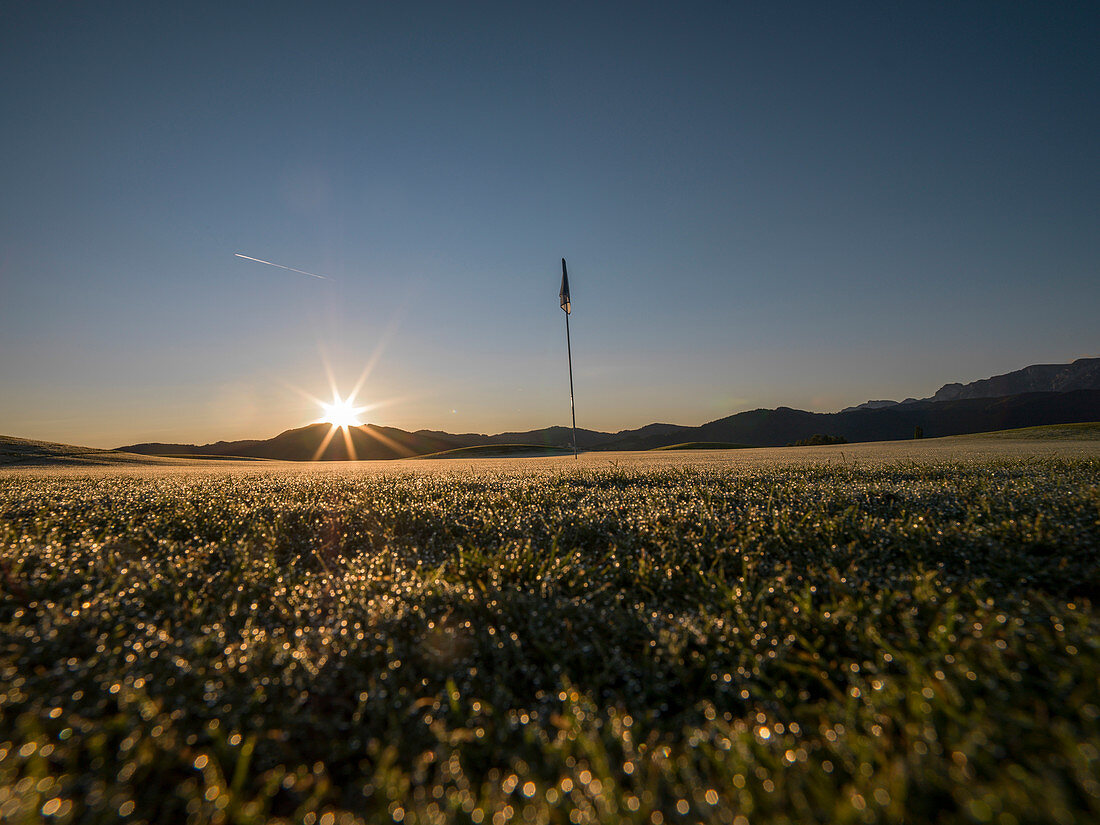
{"type": "Point", "coordinates": [342, 412]}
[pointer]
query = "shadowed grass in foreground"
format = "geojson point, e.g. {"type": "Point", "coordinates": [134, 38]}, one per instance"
{"type": "Point", "coordinates": [912, 642]}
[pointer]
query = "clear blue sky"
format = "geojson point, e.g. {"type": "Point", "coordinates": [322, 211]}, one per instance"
{"type": "Point", "coordinates": [806, 204]}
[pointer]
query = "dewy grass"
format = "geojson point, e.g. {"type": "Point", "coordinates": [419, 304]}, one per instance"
{"type": "Point", "coordinates": [908, 642]}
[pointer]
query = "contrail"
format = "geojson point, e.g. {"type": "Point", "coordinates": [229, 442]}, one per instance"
{"type": "Point", "coordinates": [288, 268]}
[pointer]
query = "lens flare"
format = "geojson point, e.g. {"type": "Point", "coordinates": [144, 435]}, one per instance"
{"type": "Point", "coordinates": [342, 412]}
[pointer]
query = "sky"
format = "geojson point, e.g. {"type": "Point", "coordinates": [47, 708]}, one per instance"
{"type": "Point", "coordinates": [761, 204]}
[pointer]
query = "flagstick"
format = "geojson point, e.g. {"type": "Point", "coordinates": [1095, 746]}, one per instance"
{"type": "Point", "coordinates": [572, 409]}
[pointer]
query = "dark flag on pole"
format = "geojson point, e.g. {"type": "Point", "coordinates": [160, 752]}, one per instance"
{"type": "Point", "coordinates": [564, 295]}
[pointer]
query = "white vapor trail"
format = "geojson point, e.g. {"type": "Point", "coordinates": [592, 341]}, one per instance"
{"type": "Point", "coordinates": [288, 268]}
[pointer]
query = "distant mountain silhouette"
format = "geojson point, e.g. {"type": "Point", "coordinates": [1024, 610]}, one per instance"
{"type": "Point", "coordinates": [874, 405]}
{"type": "Point", "coordinates": [758, 428]}
{"type": "Point", "coordinates": [1082, 374]}
{"type": "Point", "coordinates": [373, 442]}
{"type": "Point", "coordinates": [549, 437]}
{"type": "Point", "coordinates": [773, 428]}
{"type": "Point", "coordinates": [1036, 395]}
{"type": "Point", "coordinates": [305, 444]}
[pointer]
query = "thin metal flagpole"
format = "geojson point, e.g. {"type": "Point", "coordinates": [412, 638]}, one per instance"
{"type": "Point", "coordinates": [572, 409]}
{"type": "Point", "coordinates": [567, 305]}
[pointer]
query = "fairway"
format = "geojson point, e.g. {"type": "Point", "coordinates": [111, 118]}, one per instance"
{"type": "Point", "coordinates": [893, 632]}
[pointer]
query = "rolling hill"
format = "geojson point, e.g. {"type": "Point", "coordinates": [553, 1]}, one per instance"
{"type": "Point", "coordinates": [25, 452]}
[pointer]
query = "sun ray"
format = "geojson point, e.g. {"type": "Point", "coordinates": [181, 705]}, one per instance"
{"type": "Point", "coordinates": [329, 374]}
{"type": "Point", "coordinates": [349, 444]}
{"type": "Point", "coordinates": [385, 439]}
{"type": "Point", "coordinates": [387, 334]}
{"type": "Point", "coordinates": [324, 444]}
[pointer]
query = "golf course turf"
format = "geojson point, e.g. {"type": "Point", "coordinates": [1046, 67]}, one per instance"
{"type": "Point", "coordinates": [693, 637]}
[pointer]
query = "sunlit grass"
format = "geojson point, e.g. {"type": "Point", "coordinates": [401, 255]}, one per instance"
{"type": "Point", "coordinates": [914, 641]}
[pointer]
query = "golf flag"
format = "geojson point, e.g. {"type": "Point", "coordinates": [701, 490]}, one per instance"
{"type": "Point", "coordinates": [564, 295]}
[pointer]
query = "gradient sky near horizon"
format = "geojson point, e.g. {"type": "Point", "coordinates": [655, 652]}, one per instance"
{"type": "Point", "coordinates": [798, 204]}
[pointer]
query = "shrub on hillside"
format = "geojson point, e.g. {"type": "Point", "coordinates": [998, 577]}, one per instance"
{"type": "Point", "coordinates": [819, 439]}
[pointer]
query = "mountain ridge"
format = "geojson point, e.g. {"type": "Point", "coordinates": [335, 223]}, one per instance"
{"type": "Point", "coordinates": [955, 409]}
{"type": "Point", "coordinates": [758, 428]}
{"type": "Point", "coordinates": [1082, 374]}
